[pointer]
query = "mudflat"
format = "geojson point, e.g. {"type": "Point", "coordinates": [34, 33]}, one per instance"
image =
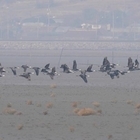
{"type": "Point", "coordinates": [66, 108]}
{"type": "Point", "coordinates": [46, 109]}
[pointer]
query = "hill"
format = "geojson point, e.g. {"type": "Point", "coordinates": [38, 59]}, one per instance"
{"type": "Point", "coordinates": [71, 13]}
{"type": "Point", "coordinates": [61, 8]}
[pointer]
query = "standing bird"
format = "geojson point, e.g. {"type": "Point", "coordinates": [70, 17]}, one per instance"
{"type": "Point", "coordinates": [83, 76]}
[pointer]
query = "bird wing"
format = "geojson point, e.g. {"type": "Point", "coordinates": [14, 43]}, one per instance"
{"type": "Point", "coordinates": [24, 68]}
{"type": "Point", "coordinates": [84, 77]}
{"type": "Point", "coordinates": [37, 71]}
{"type": "Point", "coordinates": [111, 75]}
{"type": "Point", "coordinates": [89, 68]}
{"type": "Point", "coordinates": [47, 66]}
{"type": "Point", "coordinates": [51, 76]}
{"type": "Point", "coordinates": [74, 65]}
{"type": "Point", "coordinates": [53, 70]}
{"type": "Point", "coordinates": [14, 71]}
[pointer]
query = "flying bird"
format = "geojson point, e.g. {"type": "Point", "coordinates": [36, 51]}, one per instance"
{"type": "Point", "coordinates": [66, 69]}
{"type": "Point", "coordinates": [89, 69]}
{"type": "Point", "coordinates": [113, 73]}
{"type": "Point", "coordinates": [131, 66]}
{"type": "Point", "coordinates": [27, 75]}
{"type": "Point", "coordinates": [36, 70]}
{"type": "Point", "coordinates": [74, 68]}
{"type": "Point", "coordinates": [52, 73]}
{"type": "Point", "coordinates": [136, 63]}
{"type": "Point", "coordinates": [105, 66]}
{"type": "Point", "coordinates": [83, 76]}
{"type": "Point", "coordinates": [47, 66]}
{"type": "Point", "coordinates": [116, 73]}
{"type": "Point", "coordinates": [25, 67]}
{"type": "Point", "coordinates": [14, 70]}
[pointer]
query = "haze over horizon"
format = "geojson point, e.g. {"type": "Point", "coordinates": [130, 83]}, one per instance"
{"type": "Point", "coordinates": [41, 19]}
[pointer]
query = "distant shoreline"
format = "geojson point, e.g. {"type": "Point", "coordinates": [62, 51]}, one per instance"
{"type": "Point", "coordinates": [71, 40]}
{"type": "Point", "coordinates": [109, 45]}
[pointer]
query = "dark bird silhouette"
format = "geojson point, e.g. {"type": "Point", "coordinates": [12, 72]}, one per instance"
{"type": "Point", "coordinates": [136, 63]}
{"type": "Point", "coordinates": [44, 71]}
{"type": "Point", "coordinates": [74, 68]}
{"type": "Point", "coordinates": [25, 67]}
{"type": "Point", "coordinates": [27, 75]}
{"type": "Point", "coordinates": [83, 76]}
{"type": "Point", "coordinates": [47, 66]}
{"type": "Point", "coordinates": [105, 66]}
{"type": "Point", "coordinates": [105, 61]}
{"type": "Point", "coordinates": [116, 73]}
{"type": "Point", "coordinates": [14, 70]}
{"type": "Point", "coordinates": [36, 70]}
{"type": "Point", "coordinates": [52, 73]}
{"type": "Point", "coordinates": [89, 69]}
{"type": "Point", "coordinates": [130, 64]}
{"type": "Point", "coordinates": [66, 69]}
{"type": "Point", "coordinates": [113, 73]}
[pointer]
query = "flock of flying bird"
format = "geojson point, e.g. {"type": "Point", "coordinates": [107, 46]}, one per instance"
{"type": "Point", "coordinates": [109, 68]}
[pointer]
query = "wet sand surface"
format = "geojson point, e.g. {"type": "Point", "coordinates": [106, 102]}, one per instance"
{"type": "Point", "coordinates": [45, 109]}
